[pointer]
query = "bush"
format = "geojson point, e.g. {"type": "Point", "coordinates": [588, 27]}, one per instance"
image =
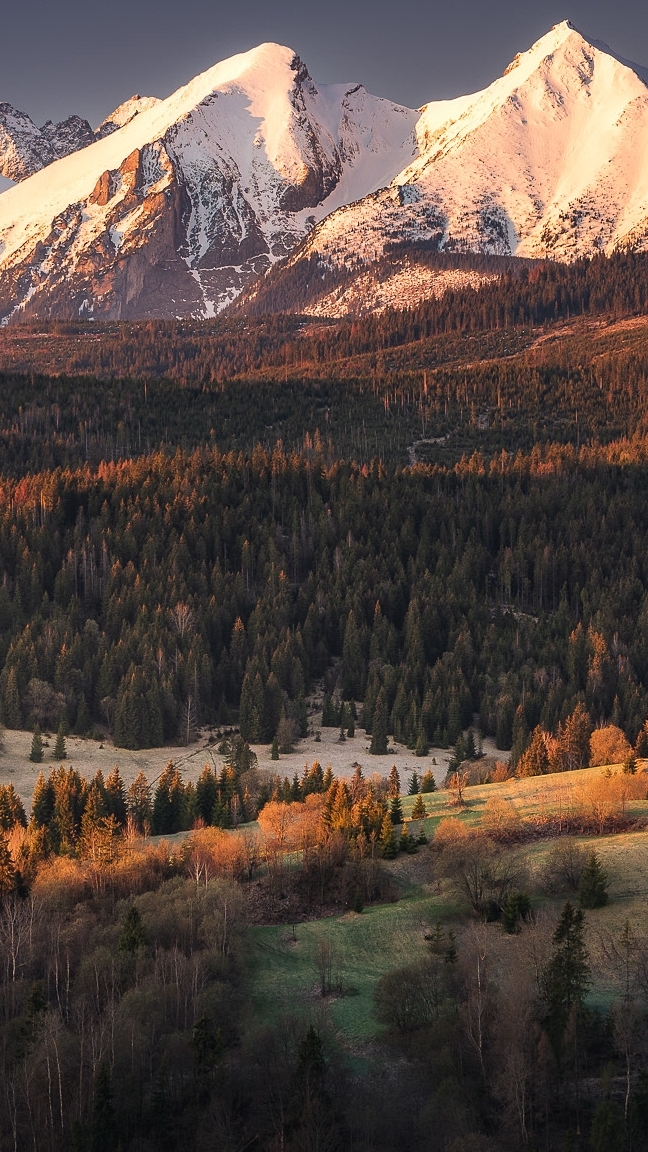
{"type": "Point", "coordinates": [409, 998]}
{"type": "Point", "coordinates": [564, 866]}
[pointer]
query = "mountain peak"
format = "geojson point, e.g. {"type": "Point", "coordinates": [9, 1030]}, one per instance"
{"type": "Point", "coordinates": [179, 203]}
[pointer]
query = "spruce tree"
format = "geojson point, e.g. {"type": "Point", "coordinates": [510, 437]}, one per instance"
{"type": "Point", "coordinates": [419, 811]}
{"type": "Point", "coordinates": [60, 749]}
{"type": "Point", "coordinates": [428, 783]}
{"type": "Point", "coordinates": [593, 891]}
{"type": "Point", "coordinates": [396, 811]}
{"type": "Point", "coordinates": [378, 745]}
{"type": "Point", "coordinates": [36, 753]}
{"type": "Point", "coordinates": [11, 713]}
{"type": "Point", "coordinates": [566, 977]}
{"type": "Point", "coordinates": [274, 755]}
{"type": "Point", "coordinates": [422, 747]}
{"type": "Point", "coordinates": [103, 1137]}
{"type": "Point", "coordinates": [43, 802]}
{"type": "Point", "coordinates": [352, 660]}
{"type": "Point", "coordinates": [205, 795]}
{"type": "Point", "coordinates": [132, 937]}
{"type": "Point", "coordinates": [414, 785]}
{"type": "Point", "coordinates": [387, 838]}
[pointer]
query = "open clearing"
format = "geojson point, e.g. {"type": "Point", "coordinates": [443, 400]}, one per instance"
{"type": "Point", "coordinates": [88, 756]}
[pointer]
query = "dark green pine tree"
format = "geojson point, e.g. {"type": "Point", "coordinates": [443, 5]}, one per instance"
{"type": "Point", "coordinates": [60, 748]}
{"type": "Point", "coordinates": [11, 712]}
{"type": "Point", "coordinates": [520, 738]}
{"type": "Point", "coordinates": [593, 890]}
{"type": "Point", "coordinates": [103, 1134]}
{"type": "Point", "coordinates": [566, 977]}
{"type": "Point", "coordinates": [274, 755]}
{"type": "Point", "coordinates": [378, 746]}
{"type": "Point", "coordinates": [328, 713]}
{"type": "Point", "coordinates": [310, 1112]}
{"type": "Point", "coordinates": [167, 802]}
{"type": "Point", "coordinates": [422, 746]}
{"type": "Point", "coordinates": [115, 797]}
{"type": "Point", "coordinates": [207, 1045]}
{"type": "Point", "coordinates": [272, 707]}
{"type": "Point", "coordinates": [504, 730]}
{"type": "Point", "coordinates": [396, 811]}
{"type": "Point", "coordinates": [414, 784]}
{"type": "Point", "coordinates": [132, 937]}
{"type": "Point", "coordinates": [43, 802]}
{"type": "Point", "coordinates": [206, 791]}
{"type": "Point", "coordinates": [36, 753]}
{"type": "Point", "coordinates": [352, 661]}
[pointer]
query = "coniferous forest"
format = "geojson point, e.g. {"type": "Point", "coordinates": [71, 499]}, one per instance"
{"type": "Point", "coordinates": [436, 519]}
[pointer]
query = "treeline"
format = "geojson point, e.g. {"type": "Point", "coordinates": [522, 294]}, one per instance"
{"type": "Point", "coordinates": [150, 597]}
{"type": "Point", "coordinates": [527, 294]}
{"type": "Point", "coordinates": [523, 297]}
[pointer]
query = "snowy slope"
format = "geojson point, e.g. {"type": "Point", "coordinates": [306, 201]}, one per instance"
{"type": "Point", "coordinates": [125, 113]}
{"type": "Point", "coordinates": [550, 160]}
{"type": "Point", "coordinates": [174, 211]}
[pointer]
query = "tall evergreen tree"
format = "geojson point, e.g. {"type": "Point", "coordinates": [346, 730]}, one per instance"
{"type": "Point", "coordinates": [60, 748]}
{"type": "Point", "coordinates": [115, 796]}
{"type": "Point", "coordinates": [352, 661]}
{"type": "Point", "coordinates": [419, 811]}
{"type": "Point", "coordinates": [36, 751]}
{"type": "Point", "coordinates": [378, 746]}
{"type": "Point", "coordinates": [566, 977]}
{"type": "Point", "coordinates": [396, 811]}
{"type": "Point", "coordinates": [387, 839]}
{"type": "Point", "coordinates": [593, 890]}
{"type": "Point", "coordinates": [414, 784]}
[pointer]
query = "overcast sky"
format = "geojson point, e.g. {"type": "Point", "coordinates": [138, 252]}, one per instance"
{"type": "Point", "coordinates": [64, 56]}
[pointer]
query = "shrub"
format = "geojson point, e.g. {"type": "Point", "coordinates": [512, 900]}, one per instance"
{"type": "Point", "coordinates": [564, 866]}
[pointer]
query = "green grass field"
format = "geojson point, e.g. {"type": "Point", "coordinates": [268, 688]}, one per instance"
{"type": "Point", "coordinates": [284, 969]}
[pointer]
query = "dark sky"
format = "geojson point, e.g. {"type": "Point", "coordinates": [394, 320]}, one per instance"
{"type": "Point", "coordinates": [63, 56]}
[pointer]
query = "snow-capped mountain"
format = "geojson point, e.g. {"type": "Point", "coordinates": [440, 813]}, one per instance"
{"type": "Point", "coordinates": [551, 160]}
{"type": "Point", "coordinates": [179, 204]}
{"type": "Point", "coordinates": [174, 211]}
{"type": "Point", "coordinates": [25, 149]}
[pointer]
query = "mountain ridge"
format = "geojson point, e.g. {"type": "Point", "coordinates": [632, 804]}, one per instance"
{"type": "Point", "coordinates": [180, 205]}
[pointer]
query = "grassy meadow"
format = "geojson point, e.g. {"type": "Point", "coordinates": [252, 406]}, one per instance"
{"type": "Point", "coordinates": [284, 961]}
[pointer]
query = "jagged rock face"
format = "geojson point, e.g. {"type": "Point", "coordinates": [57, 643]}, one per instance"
{"type": "Point", "coordinates": [181, 203]}
{"type": "Point", "coordinates": [25, 149]}
{"type": "Point", "coordinates": [114, 276]}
